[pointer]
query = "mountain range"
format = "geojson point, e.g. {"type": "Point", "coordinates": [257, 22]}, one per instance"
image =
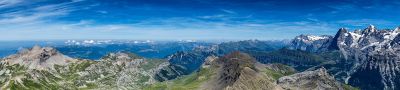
{"type": "Point", "coordinates": [367, 58]}
{"type": "Point", "coordinates": [361, 59]}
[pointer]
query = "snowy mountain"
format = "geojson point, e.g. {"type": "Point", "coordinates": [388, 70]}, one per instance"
{"type": "Point", "coordinates": [310, 42]}
{"type": "Point", "coordinates": [374, 56]}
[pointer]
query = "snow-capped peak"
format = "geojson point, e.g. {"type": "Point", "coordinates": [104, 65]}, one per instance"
{"type": "Point", "coordinates": [371, 28]}
{"type": "Point", "coordinates": [397, 29]}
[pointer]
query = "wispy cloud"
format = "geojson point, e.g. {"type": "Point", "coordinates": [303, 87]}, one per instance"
{"type": "Point", "coordinates": [9, 3]}
{"type": "Point", "coordinates": [36, 14]}
{"type": "Point", "coordinates": [213, 16]}
{"type": "Point", "coordinates": [228, 11]}
{"type": "Point", "coordinates": [364, 22]}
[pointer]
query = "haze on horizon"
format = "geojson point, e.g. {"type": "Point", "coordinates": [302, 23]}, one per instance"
{"type": "Point", "coordinates": [189, 19]}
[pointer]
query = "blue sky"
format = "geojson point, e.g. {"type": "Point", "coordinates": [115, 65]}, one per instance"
{"type": "Point", "coordinates": [189, 19]}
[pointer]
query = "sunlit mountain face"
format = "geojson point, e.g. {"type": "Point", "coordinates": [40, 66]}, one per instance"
{"type": "Point", "coordinates": [199, 45]}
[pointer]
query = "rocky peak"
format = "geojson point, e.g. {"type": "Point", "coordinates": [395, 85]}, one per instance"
{"type": "Point", "coordinates": [334, 46]}
{"type": "Point", "coordinates": [372, 27]}
{"type": "Point", "coordinates": [238, 59]}
{"type": "Point", "coordinates": [369, 29]}
{"type": "Point", "coordinates": [342, 31]}
{"type": "Point", "coordinates": [38, 51]}
{"type": "Point", "coordinates": [237, 71]}
{"type": "Point", "coordinates": [38, 58]}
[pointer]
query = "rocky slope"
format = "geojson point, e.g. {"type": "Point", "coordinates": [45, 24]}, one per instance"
{"type": "Point", "coordinates": [181, 63]}
{"type": "Point", "coordinates": [310, 80]}
{"type": "Point", "coordinates": [372, 57]}
{"type": "Point", "coordinates": [119, 71]}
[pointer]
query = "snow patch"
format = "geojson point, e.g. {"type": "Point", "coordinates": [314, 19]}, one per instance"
{"type": "Point", "coordinates": [355, 38]}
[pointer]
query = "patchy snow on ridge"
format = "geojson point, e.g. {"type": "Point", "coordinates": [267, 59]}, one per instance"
{"type": "Point", "coordinates": [313, 38]}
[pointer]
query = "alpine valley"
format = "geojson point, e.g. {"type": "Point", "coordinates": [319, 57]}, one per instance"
{"type": "Point", "coordinates": [367, 59]}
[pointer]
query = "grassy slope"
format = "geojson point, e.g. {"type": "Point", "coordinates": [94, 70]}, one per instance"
{"type": "Point", "coordinates": [284, 70]}
{"type": "Point", "coordinates": [189, 82]}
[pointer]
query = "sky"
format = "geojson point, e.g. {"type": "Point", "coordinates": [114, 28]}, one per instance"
{"type": "Point", "coordinates": [189, 19]}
